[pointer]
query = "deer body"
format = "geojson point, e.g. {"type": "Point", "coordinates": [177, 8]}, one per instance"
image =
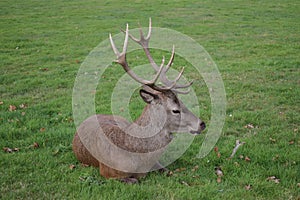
{"type": "Point", "coordinates": [124, 149]}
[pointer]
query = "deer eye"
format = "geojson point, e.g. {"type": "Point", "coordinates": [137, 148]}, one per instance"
{"type": "Point", "coordinates": [176, 112]}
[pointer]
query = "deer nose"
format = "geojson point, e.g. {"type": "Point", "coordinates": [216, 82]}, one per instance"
{"type": "Point", "coordinates": [202, 125]}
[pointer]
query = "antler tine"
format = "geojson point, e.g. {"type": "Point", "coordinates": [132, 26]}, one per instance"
{"type": "Point", "coordinates": [143, 41]}
{"type": "Point", "coordinates": [149, 30]}
{"type": "Point", "coordinates": [121, 59]}
{"type": "Point", "coordinates": [171, 59]}
{"type": "Point", "coordinates": [158, 73]}
{"type": "Point", "coordinates": [173, 84]}
{"type": "Point", "coordinates": [126, 40]}
{"type": "Point", "coordinates": [117, 53]}
{"type": "Point", "coordinates": [175, 81]}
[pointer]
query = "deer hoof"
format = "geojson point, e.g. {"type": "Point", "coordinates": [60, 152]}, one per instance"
{"type": "Point", "coordinates": [129, 180]}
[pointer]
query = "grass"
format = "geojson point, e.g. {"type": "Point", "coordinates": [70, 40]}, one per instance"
{"type": "Point", "coordinates": [256, 45]}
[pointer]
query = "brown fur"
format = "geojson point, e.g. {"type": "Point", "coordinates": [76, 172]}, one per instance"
{"type": "Point", "coordinates": [116, 130]}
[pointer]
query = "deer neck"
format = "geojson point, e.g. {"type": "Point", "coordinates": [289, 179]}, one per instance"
{"type": "Point", "coordinates": [149, 130]}
{"type": "Point", "coordinates": [152, 120]}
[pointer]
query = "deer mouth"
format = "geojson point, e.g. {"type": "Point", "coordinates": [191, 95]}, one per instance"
{"type": "Point", "coordinates": [195, 132]}
{"type": "Point", "coordinates": [202, 126]}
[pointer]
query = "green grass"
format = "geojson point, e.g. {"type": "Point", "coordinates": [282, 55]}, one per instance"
{"type": "Point", "coordinates": [256, 45]}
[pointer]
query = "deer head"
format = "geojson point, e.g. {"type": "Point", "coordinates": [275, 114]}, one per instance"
{"type": "Point", "coordinates": [164, 109]}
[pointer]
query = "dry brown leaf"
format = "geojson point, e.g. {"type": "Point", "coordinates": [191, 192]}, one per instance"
{"type": "Point", "coordinates": [249, 126]}
{"type": "Point", "coordinates": [7, 150]}
{"type": "Point", "coordinates": [10, 150]}
{"type": "Point", "coordinates": [248, 187]}
{"type": "Point", "coordinates": [195, 168]}
{"type": "Point", "coordinates": [16, 149]}
{"type": "Point", "coordinates": [291, 142]}
{"type": "Point", "coordinates": [170, 173]}
{"type": "Point", "coordinates": [72, 167]}
{"type": "Point", "coordinates": [272, 139]}
{"type": "Point", "coordinates": [247, 159]}
{"type": "Point", "coordinates": [1, 102]}
{"type": "Point", "coordinates": [216, 149]}
{"type": "Point", "coordinates": [23, 106]}
{"type": "Point", "coordinates": [218, 171]}
{"type": "Point", "coordinates": [184, 183]}
{"type": "Point", "coordinates": [273, 179]}
{"type": "Point", "coordinates": [42, 129]}
{"type": "Point", "coordinates": [36, 145]}
{"type": "Point", "coordinates": [12, 108]}
{"type": "Point", "coordinates": [180, 169]}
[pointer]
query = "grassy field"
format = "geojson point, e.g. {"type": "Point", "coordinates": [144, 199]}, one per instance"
{"type": "Point", "coordinates": [256, 45]}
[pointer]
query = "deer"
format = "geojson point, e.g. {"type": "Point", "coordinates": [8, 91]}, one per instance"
{"type": "Point", "coordinates": [126, 150]}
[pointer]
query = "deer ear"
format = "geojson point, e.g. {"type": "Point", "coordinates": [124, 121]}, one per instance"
{"type": "Point", "coordinates": [147, 96]}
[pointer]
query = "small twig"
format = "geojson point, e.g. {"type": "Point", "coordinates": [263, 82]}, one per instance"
{"type": "Point", "coordinates": [237, 145]}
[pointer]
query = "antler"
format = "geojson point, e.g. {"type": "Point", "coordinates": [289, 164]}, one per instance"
{"type": "Point", "coordinates": [160, 70]}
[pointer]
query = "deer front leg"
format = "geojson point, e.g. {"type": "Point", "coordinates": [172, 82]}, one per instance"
{"type": "Point", "coordinates": [125, 177]}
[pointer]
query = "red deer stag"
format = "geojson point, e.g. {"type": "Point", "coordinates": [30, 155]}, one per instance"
{"type": "Point", "coordinates": [126, 150]}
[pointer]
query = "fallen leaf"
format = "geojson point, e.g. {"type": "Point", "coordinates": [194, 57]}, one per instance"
{"type": "Point", "coordinates": [170, 173]}
{"type": "Point", "coordinates": [248, 187]}
{"type": "Point", "coordinates": [77, 61]}
{"type": "Point", "coordinates": [247, 159]}
{"type": "Point", "coordinates": [1, 102]}
{"type": "Point", "coordinates": [12, 108]}
{"type": "Point", "coordinates": [72, 167]}
{"type": "Point", "coordinates": [180, 169]}
{"type": "Point", "coordinates": [7, 150]}
{"type": "Point", "coordinates": [184, 183]}
{"type": "Point", "coordinates": [195, 168]}
{"type": "Point", "coordinates": [272, 139]}
{"type": "Point", "coordinates": [42, 129]}
{"type": "Point", "coordinates": [216, 149]}
{"type": "Point", "coordinates": [10, 150]}
{"type": "Point", "coordinates": [16, 149]}
{"type": "Point", "coordinates": [298, 184]}
{"type": "Point", "coordinates": [36, 145]}
{"type": "Point", "coordinates": [273, 179]}
{"type": "Point", "coordinates": [218, 154]}
{"type": "Point", "coordinates": [218, 171]}
{"type": "Point", "coordinates": [23, 106]}
{"type": "Point", "coordinates": [291, 142]}
{"type": "Point", "coordinates": [249, 126]}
